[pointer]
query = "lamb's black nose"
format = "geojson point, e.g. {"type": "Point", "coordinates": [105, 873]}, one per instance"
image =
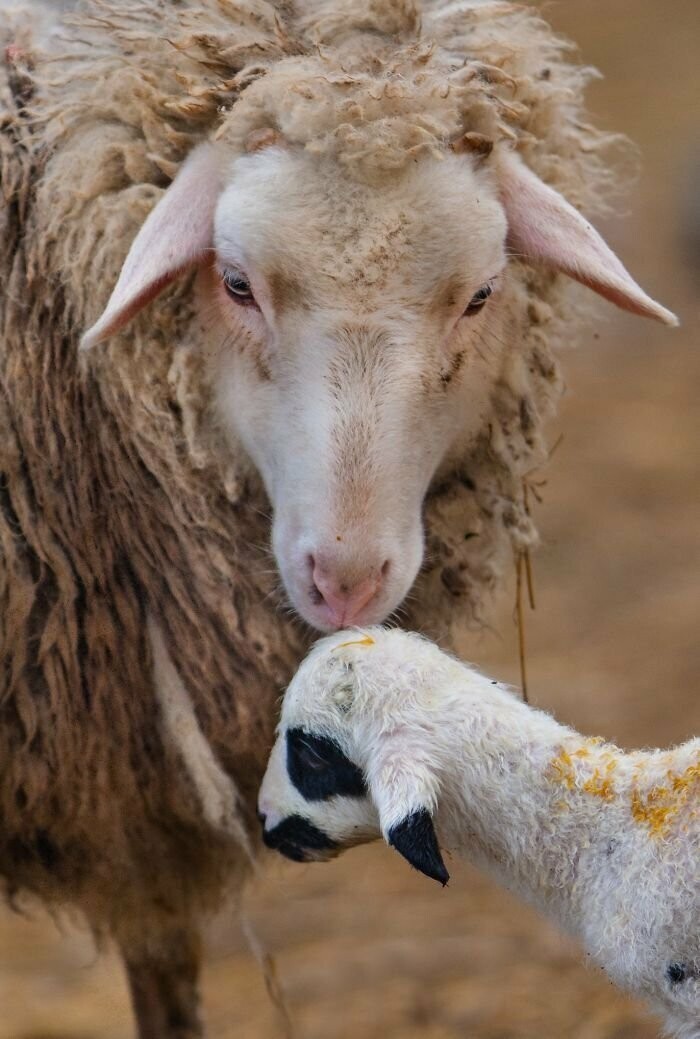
{"type": "Point", "coordinates": [298, 839]}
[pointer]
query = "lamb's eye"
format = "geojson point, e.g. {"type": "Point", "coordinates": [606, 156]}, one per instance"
{"type": "Point", "coordinates": [309, 758]}
{"type": "Point", "coordinates": [238, 288]}
{"type": "Point", "coordinates": [478, 299]}
{"type": "Point", "coordinates": [319, 769]}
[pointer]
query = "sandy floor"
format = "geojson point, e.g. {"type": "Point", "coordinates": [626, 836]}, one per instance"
{"type": "Point", "coordinates": [364, 947]}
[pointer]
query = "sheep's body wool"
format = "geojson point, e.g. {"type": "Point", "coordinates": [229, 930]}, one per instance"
{"type": "Point", "coordinates": [117, 498]}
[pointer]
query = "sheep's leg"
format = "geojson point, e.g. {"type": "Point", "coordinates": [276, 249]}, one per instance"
{"type": "Point", "coordinates": [164, 987]}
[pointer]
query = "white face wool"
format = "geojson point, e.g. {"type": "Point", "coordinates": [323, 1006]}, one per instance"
{"type": "Point", "coordinates": [381, 733]}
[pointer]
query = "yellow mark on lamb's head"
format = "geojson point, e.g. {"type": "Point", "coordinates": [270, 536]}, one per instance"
{"type": "Point", "coordinates": [367, 640]}
{"type": "Point", "coordinates": [657, 807]}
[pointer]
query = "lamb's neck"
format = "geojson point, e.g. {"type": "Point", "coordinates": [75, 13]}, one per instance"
{"type": "Point", "coordinates": [515, 771]}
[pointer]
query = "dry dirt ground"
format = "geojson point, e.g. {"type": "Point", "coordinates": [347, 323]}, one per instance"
{"type": "Point", "coordinates": [364, 947]}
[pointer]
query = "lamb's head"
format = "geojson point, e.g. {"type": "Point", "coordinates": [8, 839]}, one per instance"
{"type": "Point", "coordinates": [355, 328]}
{"type": "Point", "coordinates": [360, 750]}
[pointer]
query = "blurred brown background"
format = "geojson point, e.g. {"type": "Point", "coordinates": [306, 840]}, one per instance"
{"type": "Point", "coordinates": [364, 947]}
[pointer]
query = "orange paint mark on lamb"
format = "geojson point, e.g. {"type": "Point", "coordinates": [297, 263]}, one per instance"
{"type": "Point", "coordinates": [561, 770]}
{"type": "Point", "coordinates": [573, 769]}
{"type": "Point", "coordinates": [600, 783]}
{"type": "Point", "coordinates": [658, 807]}
{"type": "Point", "coordinates": [683, 782]}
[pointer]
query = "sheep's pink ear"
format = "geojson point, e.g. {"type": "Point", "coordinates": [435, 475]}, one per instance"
{"type": "Point", "coordinates": [544, 228]}
{"type": "Point", "coordinates": [175, 235]}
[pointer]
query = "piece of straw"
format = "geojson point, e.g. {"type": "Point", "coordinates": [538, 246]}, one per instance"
{"type": "Point", "coordinates": [519, 561]}
{"type": "Point", "coordinates": [267, 965]}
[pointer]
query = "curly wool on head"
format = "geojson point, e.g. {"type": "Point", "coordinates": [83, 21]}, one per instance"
{"type": "Point", "coordinates": [373, 83]}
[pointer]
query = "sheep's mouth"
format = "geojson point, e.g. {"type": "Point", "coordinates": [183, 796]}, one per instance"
{"type": "Point", "coordinates": [299, 840]}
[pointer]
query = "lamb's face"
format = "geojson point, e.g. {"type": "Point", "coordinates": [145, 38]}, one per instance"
{"type": "Point", "coordinates": [364, 334]}
{"type": "Point", "coordinates": [350, 763]}
{"type": "Point", "coordinates": [314, 800]}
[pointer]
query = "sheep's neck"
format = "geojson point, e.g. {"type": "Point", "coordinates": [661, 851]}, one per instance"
{"type": "Point", "coordinates": [537, 802]}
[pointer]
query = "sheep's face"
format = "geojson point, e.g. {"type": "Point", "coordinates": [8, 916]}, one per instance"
{"type": "Point", "coordinates": [354, 758]}
{"type": "Point", "coordinates": [355, 333]}
{"type": "Point", "coordinates": [362, 333]}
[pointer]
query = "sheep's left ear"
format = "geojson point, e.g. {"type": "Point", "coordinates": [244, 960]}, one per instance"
{"type": "Point", "coordinates": [544, 228]}
{"type": "Point", "coordinates": [176, 235]}
{"type": "Point", "coordinates": [404, 786]}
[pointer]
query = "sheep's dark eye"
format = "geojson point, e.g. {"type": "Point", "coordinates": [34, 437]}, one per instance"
{"type": "Point", "coordinates": [238, 288]}
{"type": "Point", "coordinates": [307, 757]}
{"type": "Point", "coordinates": [478, 299]}
{"type": "Point", "coordinates": [319, 769]}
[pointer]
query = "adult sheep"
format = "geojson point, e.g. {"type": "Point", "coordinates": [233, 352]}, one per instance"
{"type": "Point", "coordinates": [362, 265]}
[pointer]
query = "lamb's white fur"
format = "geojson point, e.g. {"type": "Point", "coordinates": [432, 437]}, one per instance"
{"type": "Point", "coordinates": [604, 842]}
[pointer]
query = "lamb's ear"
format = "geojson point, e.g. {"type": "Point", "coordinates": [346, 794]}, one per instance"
{"type": "Point", "coordinates": [414, 837]}
{"type": "Point", "coordinates": [404, 787]}
{"type": "Point", "coordinates": [544, 228]}
{"type": "Point", "coordinates": [176, 234]}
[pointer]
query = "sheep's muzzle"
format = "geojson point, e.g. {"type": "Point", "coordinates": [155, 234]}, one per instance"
{"type": "Point", "coordinates": [300, 840]}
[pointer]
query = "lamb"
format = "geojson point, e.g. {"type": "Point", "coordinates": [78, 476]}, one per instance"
{"type": "Point", "coordinates": [382, 733]}
{"type": "Point", "coordinates": [246, 214]}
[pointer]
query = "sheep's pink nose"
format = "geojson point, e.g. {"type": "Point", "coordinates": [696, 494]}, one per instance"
{"type": "Point", "coordinates": [346, 597]}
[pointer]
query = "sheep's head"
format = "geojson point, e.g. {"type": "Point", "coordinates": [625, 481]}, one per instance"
{"type": "Point", "coordinates": [359, 751]}
{"type": "Point", "coordinates": [355, 330]}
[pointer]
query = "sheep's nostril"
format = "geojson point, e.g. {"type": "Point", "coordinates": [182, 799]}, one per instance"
{"type": "Point", "coordinates": [346, 594]}
{"type": "Point", "coordinates": [262, 818]}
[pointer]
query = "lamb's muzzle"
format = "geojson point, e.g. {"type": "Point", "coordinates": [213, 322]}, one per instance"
{"type": "Point", "coordinates": [604, 842]}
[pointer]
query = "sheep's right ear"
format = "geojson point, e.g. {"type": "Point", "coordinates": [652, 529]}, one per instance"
{"type": "Point", "coordinates": [404, 785]}
{"type": "Point", "coordinates": [176, 235]}
{"type": "Point", "coordinates": [545, 229]}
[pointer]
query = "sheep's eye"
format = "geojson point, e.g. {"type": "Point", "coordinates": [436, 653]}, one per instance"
{"type": "Point", "coordinates": [319, 769]}
{"type": "Point", "coordinates": [309, 758]}
{"type": "Point", "coordinates": [478, 299]}
{"type": "Point", "coordinates": [238, 288]}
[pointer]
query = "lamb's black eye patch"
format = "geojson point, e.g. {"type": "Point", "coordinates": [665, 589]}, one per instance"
{"type": "Point", "coordinates": [318, 768]}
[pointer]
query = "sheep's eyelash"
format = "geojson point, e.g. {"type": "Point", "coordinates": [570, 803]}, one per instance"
{"type": "Point", "coordinates": [222, 269]}
{"type": "Point", "coordinates": [494, 282]}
